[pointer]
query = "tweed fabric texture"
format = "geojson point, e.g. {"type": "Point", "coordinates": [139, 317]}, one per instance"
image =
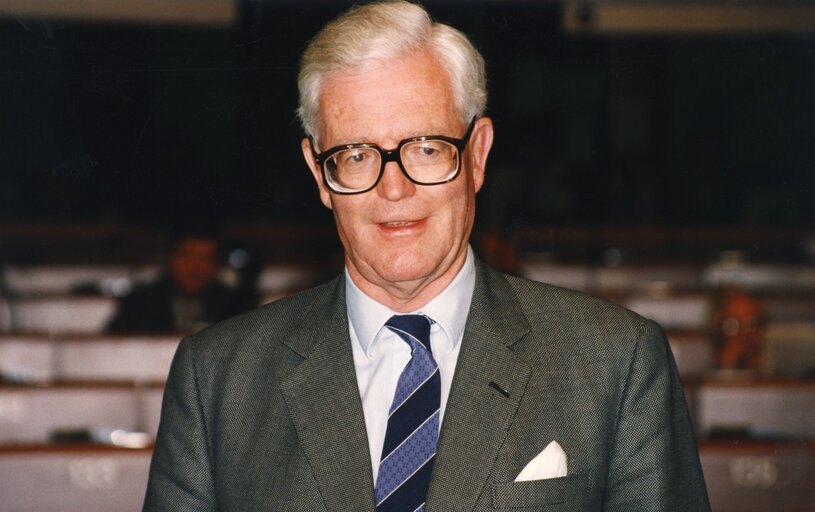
{"type": "Point", "coordinates": [262, 412]}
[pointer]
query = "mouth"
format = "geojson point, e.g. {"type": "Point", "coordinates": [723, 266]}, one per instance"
{"type": "Point", "coordinates": [399, 223]}
{"type": "Point", "coordinates": [401, 226]}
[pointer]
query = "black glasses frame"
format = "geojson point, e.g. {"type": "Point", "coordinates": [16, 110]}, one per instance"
{"type": "Point", "coordinates": [392, 155]}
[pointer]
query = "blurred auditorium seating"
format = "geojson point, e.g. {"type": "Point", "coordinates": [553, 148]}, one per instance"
{"type": "Point", "coordinates": [40, 414]}
{"type": "Point", "coordinates": [759, 476]}
{"type": "Point", "coordinates": [693, 352]}
{"type": "Point", "coordinates": [75, 299]}
{"type": "Point", "coordinates": [59, 314]}
{"type": "Point", "coordinates": [753, 407]}
{"type": "Point", "coordinates": [93, 358]}
{"type": "Point", "coordinates": [78, 415]}
{"type": "Point", "coordinates": [67, 277]}
{"type": "Point", "coordinates": [73, 478]}
{"type": "Point", "coordinates": [673, 311]}
{"type": "Point", "coordinates": [789, 349]}
{"type": "Point", "coordinates": [760, 277]}
{"type": "Point", "coordinates": [278, 280]}
{"type": "Point", "coordinates": [65, 387]}
{"type": "Point", "coordinates": [73, 399]}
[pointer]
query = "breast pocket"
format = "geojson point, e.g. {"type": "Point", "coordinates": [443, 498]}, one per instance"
{"type": "Point", "coordinates": [566, 493]}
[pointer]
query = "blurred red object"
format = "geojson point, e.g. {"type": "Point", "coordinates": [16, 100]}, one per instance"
{"type": "Point", "coordinates": [741, 319]}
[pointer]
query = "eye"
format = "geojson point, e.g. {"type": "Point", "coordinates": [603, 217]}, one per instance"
{"type": "Point", "coordinates": [354, 157]}
{"type": "Point", "coordinates": [425, 151]}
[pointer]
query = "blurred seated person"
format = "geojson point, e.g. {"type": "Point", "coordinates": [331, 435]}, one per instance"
{"type": "Point", "coordinates": [742, 320]}
{"type": "Point", "coordinates": [187, 297]}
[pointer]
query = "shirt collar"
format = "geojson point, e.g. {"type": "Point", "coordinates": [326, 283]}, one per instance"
{"type": "Point", "coordinates": [448, 309]}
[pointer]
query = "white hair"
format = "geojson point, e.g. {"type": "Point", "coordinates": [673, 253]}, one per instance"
{"type": "Point", "coordinates": [383, 31]}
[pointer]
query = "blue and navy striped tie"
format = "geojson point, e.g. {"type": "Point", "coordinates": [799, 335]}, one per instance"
{"type": "Point", "coordinates": [413, 423]}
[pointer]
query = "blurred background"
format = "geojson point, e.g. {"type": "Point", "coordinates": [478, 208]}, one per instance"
{"type": "Point", "coordinates": [659, 154]}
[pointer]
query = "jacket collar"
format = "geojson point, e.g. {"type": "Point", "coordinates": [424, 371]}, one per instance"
{"type": "Point", "coordinates": [487, 389]}
{"type": "Point", "coordinates": [322, 396]}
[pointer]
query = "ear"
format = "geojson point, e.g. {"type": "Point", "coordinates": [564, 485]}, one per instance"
{"type": "Point", "coordinates": [325, 194]}
{"type": "Point", "coordinates": [479, 147]}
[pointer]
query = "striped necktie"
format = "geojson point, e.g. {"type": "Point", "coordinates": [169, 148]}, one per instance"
{"type": "Point", "coordinates": [413, 423]}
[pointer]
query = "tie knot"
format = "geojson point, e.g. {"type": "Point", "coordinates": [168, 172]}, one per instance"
{"type": "Point", "coordinates": [416, 327]}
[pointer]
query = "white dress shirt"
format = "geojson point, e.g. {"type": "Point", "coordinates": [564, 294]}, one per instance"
{"type": "Point", "coordinates": [380, 355]}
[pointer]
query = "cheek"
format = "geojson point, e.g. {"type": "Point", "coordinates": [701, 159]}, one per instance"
{"type": "Point", "coordinates": [462, 206]}
{"type": "Point", "coordinates": [348, 215]}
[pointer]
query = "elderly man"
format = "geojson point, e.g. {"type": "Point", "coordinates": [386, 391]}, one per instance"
{"type": "Point", "coordinates": [420, 379]}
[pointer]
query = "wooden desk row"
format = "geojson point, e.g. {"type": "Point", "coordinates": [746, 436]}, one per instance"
{"type": "Point", "coordinates": [275, 279]}
{"type": "Point", "coordinates": [63, 315]}
{"type": "Point", "coordinates": [55, 314]}
{"type": "Point", "coordinates": [86, 358]}
{"type": "Point", "coordinates": [740, 476]}
{"type": "Point", "coordinates": [61, 278]}
{"type": "Point", "coordinates": [764, 408]}
{"type": "Point", "coordinates": [113, 279]}
{"type": "Point", "coordinates": [754, 408]}
{"type": "Point", "coordinates": [676, 276]}
{"type": "Point", "coordinates": [38, 414]}
{"type": "Point", "coordinates": [751, 476]}
{"type": "Point", "coordinates": [81, 478]}
{"type": "Point", "coordinates": [789, 350]}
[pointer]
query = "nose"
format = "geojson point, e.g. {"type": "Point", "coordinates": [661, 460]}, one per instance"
{"type": "Point", "coordinates": [394, 185]}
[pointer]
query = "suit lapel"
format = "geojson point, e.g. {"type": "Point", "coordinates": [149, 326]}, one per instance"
{"type": "Point", "coordinates": [478, 413]}
{"type": "Point", "coordinates": [322, 397]}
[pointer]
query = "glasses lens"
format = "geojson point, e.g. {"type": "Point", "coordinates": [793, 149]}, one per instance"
{"type": "Point", "coordinates": [430, 160]}
{"type": "Point", "coordinates": [351, 170]}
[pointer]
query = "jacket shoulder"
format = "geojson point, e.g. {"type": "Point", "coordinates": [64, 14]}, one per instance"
{"type": "Point", "coordinates": [265, 330]}
{"type": "Point", "coordinates": [537, 295]}
{"type": "Point", "coordinates": [579, 320]}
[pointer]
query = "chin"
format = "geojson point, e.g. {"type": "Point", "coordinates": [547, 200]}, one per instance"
{"type": "Point", "coordinates": [398, 271]}
{"type": "Point", "coordinates": [402, 275]}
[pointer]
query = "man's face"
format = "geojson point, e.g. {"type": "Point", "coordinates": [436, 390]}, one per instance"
{"type": "Point", "coordinates": [400, 239]}
{"type": "Point", "coordinates": [193, 264]}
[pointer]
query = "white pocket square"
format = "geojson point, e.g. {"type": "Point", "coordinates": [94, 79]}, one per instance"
{"type": "Point", "coordinates": [550, 463]}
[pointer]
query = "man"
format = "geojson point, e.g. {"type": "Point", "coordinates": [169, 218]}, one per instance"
{"type": "Point", "coordinates": [188, 296]}
{"type": "Point", "coordinates": [420, 379]}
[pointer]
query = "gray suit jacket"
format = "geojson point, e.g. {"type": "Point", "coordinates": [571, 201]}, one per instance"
{"type": "Point", "coordinates": [262, 412]}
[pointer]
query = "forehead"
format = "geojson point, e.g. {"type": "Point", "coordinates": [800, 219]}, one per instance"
{"type": "Point", "coordinates": [385, 102]}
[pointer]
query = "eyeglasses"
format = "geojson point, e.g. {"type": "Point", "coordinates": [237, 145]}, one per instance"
{"type": "Point", "coordinates": [357, 168]}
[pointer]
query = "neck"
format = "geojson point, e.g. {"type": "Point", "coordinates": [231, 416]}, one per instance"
{"type": "Point", "coordinates": [407, 296]}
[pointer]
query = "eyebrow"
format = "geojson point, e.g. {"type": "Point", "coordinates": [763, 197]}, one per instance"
{"type": "Point", "coordinates": [365, 140]}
